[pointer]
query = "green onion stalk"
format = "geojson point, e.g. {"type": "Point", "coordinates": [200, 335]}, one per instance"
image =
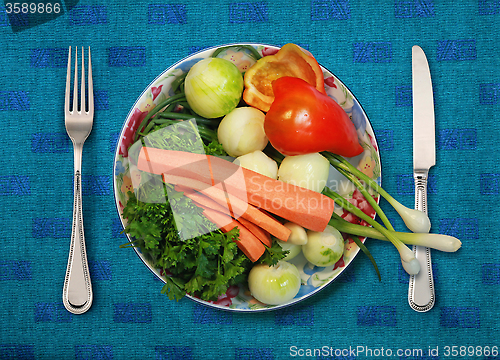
{"type": "Point", "coordinates": [374, 204]}
{"type": "Point", "coordinates": [144, 124]}
{"type": "Point", "coordinates": [167, 113]}
{"type": "Point", "coordinates": [363, 248]}
{"type": "Point", "coordinates": [439, 242]}
{"type": "Point", "coordinates": [415, 220]}
{"type": "Point", "coordinates": [408, 260]}
{"type": "Point", "coordinates": [205, 132]}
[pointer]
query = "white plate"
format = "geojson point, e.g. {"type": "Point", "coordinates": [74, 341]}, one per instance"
{"type": "Point", "coordinates": [314, 278]}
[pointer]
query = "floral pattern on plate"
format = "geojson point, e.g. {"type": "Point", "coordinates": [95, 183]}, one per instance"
{"type": "Point", "coordinates": [238, 298]}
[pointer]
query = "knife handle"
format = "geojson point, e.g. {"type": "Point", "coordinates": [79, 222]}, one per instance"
{"type": "Point", "coordinates": [421, 295]}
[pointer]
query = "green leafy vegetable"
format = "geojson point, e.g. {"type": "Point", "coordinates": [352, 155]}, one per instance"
{"type": "Point", "coordinates": [205, 265]}
{"type": "Point", "coordinates": [215, 148]}
{"type": "Point", "coordinates": [273, 254]}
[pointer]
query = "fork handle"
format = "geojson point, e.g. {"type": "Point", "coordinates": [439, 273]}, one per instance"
{"type": "Point", "coordinates": [77, 290]}
{"type": "Point", "coordinates": [421, 295]}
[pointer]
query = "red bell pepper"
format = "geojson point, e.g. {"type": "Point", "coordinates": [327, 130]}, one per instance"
{"type": "Point", "coordinates": [302, 120]}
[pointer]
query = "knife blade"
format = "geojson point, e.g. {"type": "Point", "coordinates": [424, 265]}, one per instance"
{"type": "Point", "coordinates": [421, 294]}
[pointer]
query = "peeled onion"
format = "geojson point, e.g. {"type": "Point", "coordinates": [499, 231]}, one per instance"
{"type": "Point", "coordinates": [324, 248]}
{"type": "Point", "coordinates": [276, 284]}
{"type": "Point", "coordinates": [258, 162]}
{"type": "Point", "coordinates": [309, 171]}
{"type": "Point", "coordinates": [242, 131]}
{"type": "Point", "coordinates": [298, 235]}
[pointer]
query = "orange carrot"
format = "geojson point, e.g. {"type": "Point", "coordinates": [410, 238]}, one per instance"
{"type": "Point", "coordinates": [261, 234]}
{"type": "Point", "coordinates": [205, 202]}
{"type": "Point", "coordinates": [237, 207]}
{"type": "Point", "coordinates": [304, 207]}
{"type": "Point", "coordinates": [248, 242]}
{"type": "Point", "coordinates": [180, 163]}
{"type": "Point", "coordinates": [307, 208]}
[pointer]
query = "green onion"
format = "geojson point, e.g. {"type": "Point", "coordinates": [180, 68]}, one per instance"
{"type": "Point", "coordinates": [439, 242]}
{"type": "Point", "coordinates": [415, 220]}
{"type": "Point", "coordinates": [176, 84]}
{"type": "Point", "coordinates": [157, 108]}
{"type": "Point", "coordinates": [410, 264]}
{"type": "Point", "coordinates": [274, 154]}
{"type": "Point", "coordinates": [368, 197]}
{"type": "Point", "coordinates": [182, 116]}
{"type": "Point", "coordinates": [366, 252]}
{"type": "Point", "coordinates": [205, 132]}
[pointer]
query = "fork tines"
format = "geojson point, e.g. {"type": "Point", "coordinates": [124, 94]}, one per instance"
{"type": "Point", "coordinates": [86, 103]}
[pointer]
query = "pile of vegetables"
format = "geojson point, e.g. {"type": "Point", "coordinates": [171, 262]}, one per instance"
{"type": "Point", "coordinates": [231, 159]}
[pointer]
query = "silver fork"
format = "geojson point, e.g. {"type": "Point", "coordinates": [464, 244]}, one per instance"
{"type": "Point", "coordinates": [77, 290]}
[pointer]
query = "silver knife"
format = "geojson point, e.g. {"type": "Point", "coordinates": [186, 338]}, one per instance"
{"type": "Point", "coordinates": [421, 295]}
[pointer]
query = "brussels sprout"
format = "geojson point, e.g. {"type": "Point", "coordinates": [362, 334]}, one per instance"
{"type": "Point", "coordinates": [213, 87]}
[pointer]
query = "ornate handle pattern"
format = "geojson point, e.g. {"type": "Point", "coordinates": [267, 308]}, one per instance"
{"type": "Point", "coordinates": [421, 294]}
{"type": "Point", "coordinates": [77, 291]}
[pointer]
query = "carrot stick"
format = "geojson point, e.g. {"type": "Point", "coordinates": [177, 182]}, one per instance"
{"type": "Point", "coordinates": [205, 202]}
{"type": "Point", "coordinates": [180, 163]}
{"type": "Point", "coordinates": [304, 207]}
{"type": "Point", "coordinates": [299, 205]}
{"type": "Point", "coordinates": [237, 207]}
{"type": "Point", "coordinates": [202, 200]}
{"type": "Point", "coordinates": [260, 233]}
{"type": "Point", "coordinates": [248, 242]}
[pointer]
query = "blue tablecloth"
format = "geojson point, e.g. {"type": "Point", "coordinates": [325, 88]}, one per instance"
{"type": "Point", "coordinates": [367, 44]}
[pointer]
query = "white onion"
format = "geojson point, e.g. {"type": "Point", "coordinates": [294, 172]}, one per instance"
{"type": "Point", "coordinates": [298, 235]}
{"type": "Point", "coordinates": [259, 162]}
{"type": "Point", "coordinates": [309, 171]}
{"type": "Point", "coordinates": [415, 220]}
{"type": "Point", "coordinates": [412, 267]}
{"type": "Point", "coordinates": [324, 248]}
{"type": "Point", "coordinates": [242, 131]}
{"type": "Point", "coordinates": [276, 284]}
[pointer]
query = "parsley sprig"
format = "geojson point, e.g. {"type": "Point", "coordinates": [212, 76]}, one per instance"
{"type": "Point", "coordinates": [205, 265]}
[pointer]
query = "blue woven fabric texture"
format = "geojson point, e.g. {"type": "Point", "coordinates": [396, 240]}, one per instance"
{"type": "Point", "coordinates": [367, 44]}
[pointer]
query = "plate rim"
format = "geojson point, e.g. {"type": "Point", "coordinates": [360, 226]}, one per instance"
{"type": "Point", "coordinates": [116, 155]}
